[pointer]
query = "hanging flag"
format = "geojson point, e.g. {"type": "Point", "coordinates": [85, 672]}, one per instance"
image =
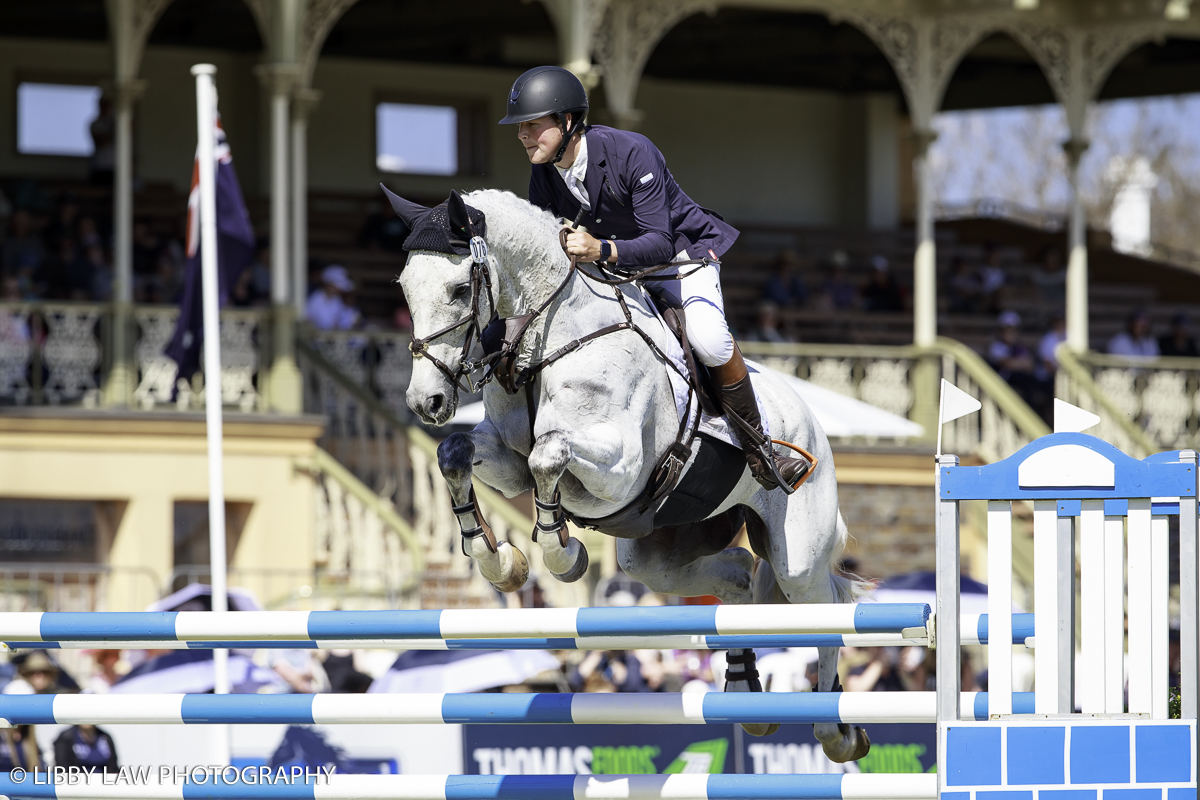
{"type": "Point", "coordinates": [235, 251]}
{"type": "Point", "coordinates": [1072, 419]}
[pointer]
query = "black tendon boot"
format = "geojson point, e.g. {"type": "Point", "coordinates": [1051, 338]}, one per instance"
{"type": "Point", "coordinates": [769, 468]}
{"type": "Point", "coordinates": [741, 675]}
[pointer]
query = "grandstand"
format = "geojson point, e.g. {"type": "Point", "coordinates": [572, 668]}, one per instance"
{"type": "Point", "coordinates": [803, 123]}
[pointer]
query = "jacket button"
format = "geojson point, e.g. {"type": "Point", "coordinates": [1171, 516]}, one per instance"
{"type": "Point", "coordinates": [598, 221]}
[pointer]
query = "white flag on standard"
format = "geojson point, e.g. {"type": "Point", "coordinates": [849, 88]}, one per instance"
{"type": "Point", "coordinates": [955, 403]}
{"type": "Point", "coordinates": [1072, 419]}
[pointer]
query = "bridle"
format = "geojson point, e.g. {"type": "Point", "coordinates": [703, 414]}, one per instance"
{"type": "Point", "coordinates": [501, 364]}
{"type": "Point", "coordinates": [481, 278]}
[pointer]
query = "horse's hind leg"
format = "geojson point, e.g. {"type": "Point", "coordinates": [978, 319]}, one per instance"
{"type": "Point", "coordinates": [501, 563]}
{"type": "Point", "coordinates": [564, 555]}
{"type": "Point", "coordinates": [800, 535]}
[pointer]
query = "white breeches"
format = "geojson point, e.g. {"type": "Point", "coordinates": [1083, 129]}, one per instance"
{"type": "Point", "coordinates": [704, 310]}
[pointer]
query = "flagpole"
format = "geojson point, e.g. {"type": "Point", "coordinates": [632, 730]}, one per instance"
{"type": "Point", "coordinates": [206, 124]}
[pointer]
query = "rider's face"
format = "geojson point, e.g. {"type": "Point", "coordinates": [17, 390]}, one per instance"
{"type": "Point", "coordinates": [541, 138]}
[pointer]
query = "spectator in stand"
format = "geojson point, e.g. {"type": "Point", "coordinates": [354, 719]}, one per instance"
{"type": "Point", "coordinates": [608, 671]}
{"type": "Point", "coordinates": [1051, 280]}
{"type": "Point", "coordinates": [260, 270]}
{"type": "Point", "coordinates": [36, 674]}
{"type": "Point", "coordinates": [342, 676]}
{"type": "Point", "coordinates": [992, 278]}
{"type": "Point", "coordinates": [1013, 361]}
{"type": "Point", "coordinates": [785, 288]}
{"type": "Point", "coordinates": [327, 309]}
{"type": "Point", "coordinates": [767, 329]}
{"type": "Point", "coordinates": [104, 671]}
{"type": "Point", "coordinates": [881, 292]}
{"type": "Point", "coordinates": [878, 674]}
{"type": "Point", "coordinates": [104, 150]}
{"type": "Point", "coordinates": [965, 288]}
{"type": "Point", "coordinates": [146, 247]}
{"type": "Point", "coordinates": [1047, 361]}
{"type": "Point", "coordinates": [89, 232]}
{"type": "Point", "coordinates": [65, 224]}
{"type": "Point", "coordinates": [21, 250]}
{"type": "Point", "coordinates": [1135, 341]}
{"type": "Point", "coordinates": [970, 681]}
{"type": "Point", "coordinates": [839, 292]}
{"type": "Point", "coordinates": [300, 668]}
{"type": "Point", "coordinates": [383, 230]}
{"type": "Point", "coordinates": [1179, 341]}
{"type": "Point", "coordinates": [86, 746]}
{"type": "Point", "coordinates": [19, 749]}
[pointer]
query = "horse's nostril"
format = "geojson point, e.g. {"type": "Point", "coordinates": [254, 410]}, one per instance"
{"type": "Point", "coordinates": [435, 404]}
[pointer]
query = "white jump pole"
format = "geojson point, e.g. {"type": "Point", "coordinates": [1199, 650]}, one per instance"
{"type": "Point", "coordinates": [206, 124]}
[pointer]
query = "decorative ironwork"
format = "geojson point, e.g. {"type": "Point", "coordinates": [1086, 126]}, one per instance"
{"type": "Point", "coordinates": [71, 353]}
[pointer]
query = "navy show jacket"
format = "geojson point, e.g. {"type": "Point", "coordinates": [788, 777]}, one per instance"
{"type": "Point", "coordinates": [635, 202]}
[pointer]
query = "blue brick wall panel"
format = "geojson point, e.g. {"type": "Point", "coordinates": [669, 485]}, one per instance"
{"type": "Point", "coordinates": [1180, 794]}
{"type": "Point", "coordinates": [1036, 756]}
{"type": "Point", "coordinates": [1067, 794]}
{"type": "Point", "coordinates": [1132, 794]}
{"type": "Point", "coordinates": [973, 756]}
{"type": "Point", "coordinates": [1163, 753]}
{"type": "Point", "coordinates": [1100, 754]}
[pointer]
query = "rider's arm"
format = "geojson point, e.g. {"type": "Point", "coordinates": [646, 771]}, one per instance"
{"type": "Point", "coordinates": [646, 173]}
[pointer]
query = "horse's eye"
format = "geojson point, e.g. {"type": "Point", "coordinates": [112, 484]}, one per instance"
{"type": "Point", "coordinates": [462, 290]}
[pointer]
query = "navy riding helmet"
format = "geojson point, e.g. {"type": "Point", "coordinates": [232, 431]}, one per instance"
{"type": "Point", "coordinates": [543, 91]}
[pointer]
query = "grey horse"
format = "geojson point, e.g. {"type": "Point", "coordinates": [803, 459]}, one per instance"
{"type": "Point", "coordinates": [604, 415]}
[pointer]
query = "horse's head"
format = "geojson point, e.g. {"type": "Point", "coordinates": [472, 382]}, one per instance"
{"type": "Point", "coordinates": [446, 283]}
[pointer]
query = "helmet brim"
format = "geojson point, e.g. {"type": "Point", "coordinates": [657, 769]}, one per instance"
{"type": "Point", "coordinates": [516, 119]}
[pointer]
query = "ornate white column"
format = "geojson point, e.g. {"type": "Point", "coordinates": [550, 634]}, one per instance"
{"type": "Point", "coordinates": [576, 22]}
{"type": "Point", "coordinates": [925, 257]}
{"type": "Point", "coordinates": [624, 41]}
{"type": "Point", "coordinates": [304, 101]}
{"type": "Point", "coordinates": [1076, 61]}
{"type": "Point", "coordinates": [130, 23]}
{"type": "Point", "coordinates": [284, 395]}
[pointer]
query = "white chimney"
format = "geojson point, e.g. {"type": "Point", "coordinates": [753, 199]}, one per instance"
{"type": "Point", "coordinates": [1129, 219]}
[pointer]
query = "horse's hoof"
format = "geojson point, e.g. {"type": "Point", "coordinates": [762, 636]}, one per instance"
{"type": "Point", "coordinates": [851, 746]}
{"type": "Point", "coordinates": [760, 728]}
{"type": "Point", "coordinates": [578, 570]}
{"type": "Point", "coordinates": [518, 573]}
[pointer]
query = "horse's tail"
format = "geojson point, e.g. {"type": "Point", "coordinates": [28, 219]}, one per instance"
{"type": "Point", "coordinates": [847, 587]}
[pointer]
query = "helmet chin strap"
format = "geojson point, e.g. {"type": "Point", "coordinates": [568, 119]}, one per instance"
{"type": "Point", "coordinates": [576, 124]}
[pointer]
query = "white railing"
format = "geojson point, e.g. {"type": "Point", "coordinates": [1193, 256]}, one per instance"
{"type": "Point", "coordinates": [904, 381]}
{"type": "Point", "coordinates": [55, 353]}
{"type": "Point", "coordinates": [1144, 406]}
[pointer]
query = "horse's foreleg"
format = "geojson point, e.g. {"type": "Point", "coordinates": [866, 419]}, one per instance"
{"type": "Point", "coordinates": [501, 563]}
{"type": "Point", "coordinates": [564, 555]}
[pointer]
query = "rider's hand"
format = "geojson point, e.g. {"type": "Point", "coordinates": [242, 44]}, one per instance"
{"type": "Point", "coordinates": [586, 246]}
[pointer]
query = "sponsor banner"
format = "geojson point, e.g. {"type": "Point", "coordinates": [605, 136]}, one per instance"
{"type": "Point", "coordinates": [903, 748]}
{"type": "Point", "coordinates": [666, 749]}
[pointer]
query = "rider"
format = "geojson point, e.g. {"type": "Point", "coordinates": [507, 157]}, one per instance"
{"type": "Point", "coordinates": [635, 216]}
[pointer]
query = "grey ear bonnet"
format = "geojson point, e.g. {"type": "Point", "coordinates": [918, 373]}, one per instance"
{"type": "Point", "coordinates": [450, 228]}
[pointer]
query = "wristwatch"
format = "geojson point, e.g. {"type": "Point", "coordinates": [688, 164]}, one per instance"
{"type": "Point", "coordinates": [605, 251]}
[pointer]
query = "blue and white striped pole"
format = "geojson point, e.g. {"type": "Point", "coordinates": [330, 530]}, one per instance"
{"type": "Point", "coordinates": [974, 628]}
{"type": "Point", "coordinates": [491, 787]}
{"type": "Point", "coordinates": [476, 709]}
{"type": "Point", "coordinates": [909, 619]}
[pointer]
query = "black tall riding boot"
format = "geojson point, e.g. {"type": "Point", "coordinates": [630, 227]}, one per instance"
{"type": "Point", "coordinates": [769, 468]}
